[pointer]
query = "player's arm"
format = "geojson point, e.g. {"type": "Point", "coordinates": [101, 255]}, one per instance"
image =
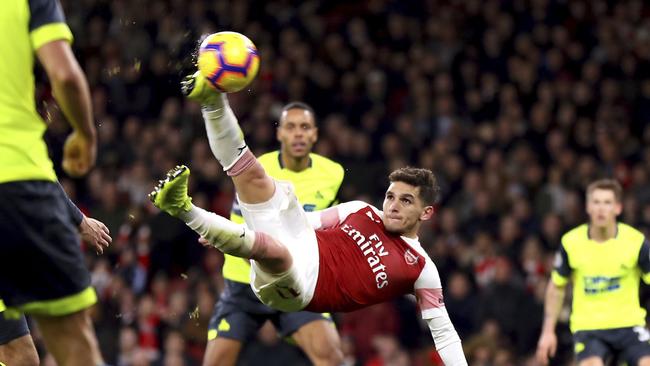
{"type": "Point", "coordinates": [92, 231]}
{"type": "Point", "coordinates": [69, 85]}
{"type": "Point", "coordinates": [51, 38]}
{"type": "Point", "coordinates": [334, 215]}
{"type": "Point", "coordinates": [644, 261]}
{"type": "Point", "coordinates": [75, 212]}
{"type": "Point", "coordinates": [553, 300]}
{"type": "Point", "coordinates": [428, 292]}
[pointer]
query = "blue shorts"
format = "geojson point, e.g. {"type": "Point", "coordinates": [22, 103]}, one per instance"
{"type": "Point", "coordinates": [626, 344]}
{"type": "Point", "coordinates": [11, 329]}
{"type": "Point", "coordinates": [42, 270]}
{"type": "Point", "coordinates": [239, 314]}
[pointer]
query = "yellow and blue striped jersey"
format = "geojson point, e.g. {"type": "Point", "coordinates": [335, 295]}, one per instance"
{"type": "Point", "coordinates": [605, 277]}
{"type": "Point", "coordinates": [25, 26]}
{"type": "Point", "coordinates": [316, 188]}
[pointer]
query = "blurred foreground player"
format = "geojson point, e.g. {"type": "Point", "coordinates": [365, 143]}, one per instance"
{"type": "Point", "coordinates": [605, 261]}
{"type": "Point", "coordinates": [42, 271]}
{"type": "Point", "coordinates": [341, 259]}
{"type": "Point", "coordinates": [16, 344]}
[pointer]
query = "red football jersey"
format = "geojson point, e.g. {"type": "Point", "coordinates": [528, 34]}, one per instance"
{"type": "Point", "coordinates": [363, 264]}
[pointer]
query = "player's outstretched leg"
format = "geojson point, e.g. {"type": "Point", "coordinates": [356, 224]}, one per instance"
{"type": "Point", "coordinates": [170, 195]}
{"type": "Point", "coordinates": [227, 141]}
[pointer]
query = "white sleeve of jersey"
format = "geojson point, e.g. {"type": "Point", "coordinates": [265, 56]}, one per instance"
{"type": "Point", "coordinates": [428, 291]}
{"type": "Point", "coordinates": [334, 215]}
{"type": "Point", "coordinates": [447, 341]}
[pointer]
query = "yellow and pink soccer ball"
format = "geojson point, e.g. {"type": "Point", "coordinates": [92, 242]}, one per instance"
{"type": "Point", "coordinates": [229, 61]}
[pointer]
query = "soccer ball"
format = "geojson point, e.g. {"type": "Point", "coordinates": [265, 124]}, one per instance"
{"type": "Point", "coordinates": [228, 60]}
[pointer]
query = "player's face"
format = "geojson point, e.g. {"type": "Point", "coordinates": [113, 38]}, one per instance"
{"type": "Point", "coordinates": [404, 210]}
{"type": "Point", "coordinates": [297, 132]}
{"type": "Point", "coordinates": [602, 207]}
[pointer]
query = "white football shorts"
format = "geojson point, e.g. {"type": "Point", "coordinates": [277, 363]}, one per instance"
{"type": "Point", "coordinates": [283, 218]}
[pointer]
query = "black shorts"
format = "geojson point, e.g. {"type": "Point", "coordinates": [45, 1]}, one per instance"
{"type": "Point", "coordinates": [626, 344]}
{"type": "Point", "coordinates": [239, 314]}
{"type": "Point", "coordinates": [42, 270]}
{"type": "Point", "coordinates": [11, 329]}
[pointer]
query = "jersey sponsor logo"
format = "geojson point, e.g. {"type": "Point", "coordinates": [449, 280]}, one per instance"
{"type": "Point", "coordinates": [373, 249]}
{"type": "Point", "coordinates": [410, 258]}
{"type": "Point", "coordinates": [601, 284]}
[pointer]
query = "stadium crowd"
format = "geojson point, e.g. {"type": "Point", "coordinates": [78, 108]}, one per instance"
{"type": "Point", "coordinates": [515, 105]}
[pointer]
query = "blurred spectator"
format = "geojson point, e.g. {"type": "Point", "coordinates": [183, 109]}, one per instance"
{"type": "Point", "coordinates": [388, 352]}
{"type": "Point", "coordinates": [361, 326]}
{"type": "Point", "coordinates": [460, 301]}
{"type": "Point", "coordinates": [128, 344]}
{"type": "Point", "coordinates": [503, 299]}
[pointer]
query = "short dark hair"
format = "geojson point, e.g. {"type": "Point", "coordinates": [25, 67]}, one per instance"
{"type": "Point", "coordinates": [299, 105]}
{"type": "Point", "coordinates": [421, 178]}
{"type": "Point", "coordinates": [608, 185]}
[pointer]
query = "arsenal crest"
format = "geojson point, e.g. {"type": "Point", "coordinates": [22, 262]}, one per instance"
{"type": "Point", "coordinates": [410, 258]}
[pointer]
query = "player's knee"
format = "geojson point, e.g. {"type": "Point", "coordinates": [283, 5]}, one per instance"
{"type": "Point", "coordinates": [215, 361]}
{"type": "Point", "coordinates": [221, 352]}
{"type": "Point", "coordinates": [74, 328]}
{"type": "Point", "coordinates": [592, 361]}
{"type": "Point", "coordinates": [20, 351]}
{"type": "Point", "coordinates": [644, 361]}
{"type": "Point", "coordinates": [326, 351]}
{"type": "Point", "coordinates": [30, 359]}
{"type": "Point", "coordinates": [320, 341]}
{"type": "Point", "coordinates": [80, 323]}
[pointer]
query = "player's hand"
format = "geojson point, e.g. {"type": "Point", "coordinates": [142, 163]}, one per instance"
{"type": "Point", "coordinates": [546, 347]}
{"type": "Point", "coordinates": [95, 233]}
{"type": "Point", "coordinates": [79, 154]}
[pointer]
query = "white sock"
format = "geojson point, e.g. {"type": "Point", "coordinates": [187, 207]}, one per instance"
{"type": "Point", "coordinates": [221, 233]}
{"type": "Point", "coordinates": [225, 137]}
